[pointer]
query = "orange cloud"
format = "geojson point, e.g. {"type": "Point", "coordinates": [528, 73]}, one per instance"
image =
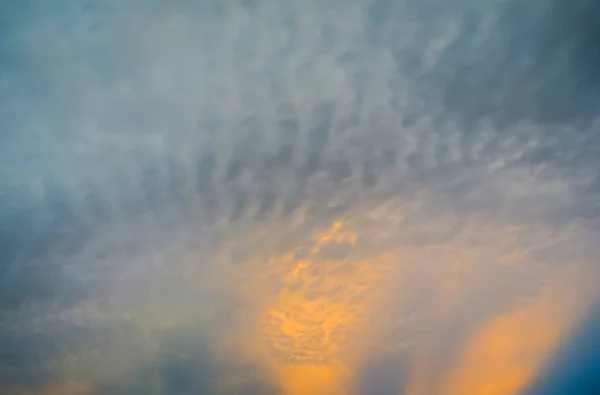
{"type": "Point", "coordinates": [467, 310]}
{"type": "Point", "coordinates": [331, 379]}
{"type": "Point", "coordinates": [505, 354]}
{"type": "Point", "coordinates": [312, 327]}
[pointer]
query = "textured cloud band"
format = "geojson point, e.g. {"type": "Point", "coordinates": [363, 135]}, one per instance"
{"type": "Point", "coordinates": [297, 197]}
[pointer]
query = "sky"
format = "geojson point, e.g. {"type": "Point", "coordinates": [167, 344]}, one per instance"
{"type": "Point", "coordinates": [333, 197]}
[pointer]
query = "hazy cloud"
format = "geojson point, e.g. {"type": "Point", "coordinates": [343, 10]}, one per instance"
{"type": "Point", "coordinates": [258, 195]}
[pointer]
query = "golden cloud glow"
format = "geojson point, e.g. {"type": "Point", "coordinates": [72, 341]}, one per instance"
{"type": "Point", "coordinates": [339, 303]}
{"type": "Point", "coordinates": [311, 329]}
{"type": "Point", "coordinates": [331, 379]}
{"type": "Point", "coordinates": [475, 313]}
{"type": "Point", "coordinates": [506, 352]}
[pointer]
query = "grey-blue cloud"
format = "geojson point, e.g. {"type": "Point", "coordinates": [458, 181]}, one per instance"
{"type": "Point", "coordinates": [140, 136]}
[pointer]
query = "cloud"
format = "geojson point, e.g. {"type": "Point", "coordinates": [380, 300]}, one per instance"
{"type": "Point", "coordinates": [308, 188]}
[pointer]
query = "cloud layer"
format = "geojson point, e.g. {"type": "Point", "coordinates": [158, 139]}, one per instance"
{"type": "Point", "coordinates": [255, 195]}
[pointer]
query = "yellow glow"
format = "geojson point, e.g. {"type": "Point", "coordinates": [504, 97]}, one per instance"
{"type": "Point", "coordinates": [506, 352]}
{"type": "Point", "coordinates": [312, 326]}
{"type": "Point", "coordinates": [313, 379]}
{"type": "Point", "coordinates": [312, 310]}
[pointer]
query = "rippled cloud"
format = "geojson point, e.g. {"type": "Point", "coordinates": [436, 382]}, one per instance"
{"type": "Point", "coordinates": [316, 197]}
